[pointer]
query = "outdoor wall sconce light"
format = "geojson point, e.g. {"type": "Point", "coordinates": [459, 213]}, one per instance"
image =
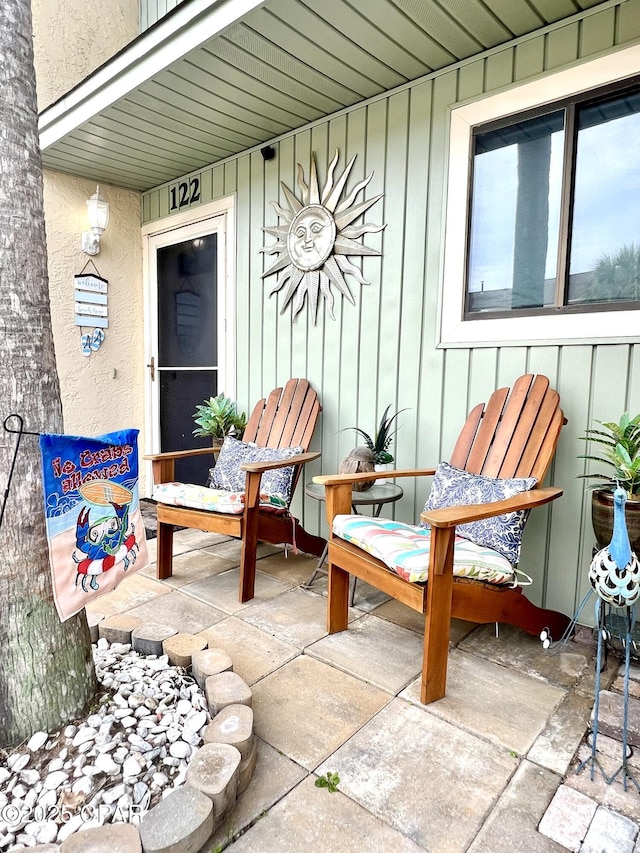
{"type": "Point", "coordinates": [98, 210]}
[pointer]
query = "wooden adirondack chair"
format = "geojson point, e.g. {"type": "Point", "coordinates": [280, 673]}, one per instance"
{"type": "Point", "coordinates": [286, 418]}
{"type": "Point", "coordinates": [514, 435]}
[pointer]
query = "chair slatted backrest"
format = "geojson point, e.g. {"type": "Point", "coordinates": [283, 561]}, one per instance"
{"type": "Point", "coordinates": [515, 434]}
{"type": "Point", "coordinates": [286, 418]}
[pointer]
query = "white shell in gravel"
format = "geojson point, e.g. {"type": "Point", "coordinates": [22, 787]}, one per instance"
{"type": "Point", "coordinates": [140, 790]}
{"type": "Point", "coordinates": [29, 777]}
{"type": "Point", "coordinates": [19, 791]}
{"type": "Point", "coordinates": [113, 794]}
{"type": "Point", "coordinates": [55, 780]}
{"type": "Point", "coordinates": [86, 733]}
{"type": "Point", "coordinates": [131, 768]}
{"type": "Point", "coordinates": [121, 713]}
{"type": "Point", "coordinates": [196, 721]}
{"type": "Point", "coordinates": [72, 825]}
{"type": "Point", "coordinates": [47, 799]}
{"type": "Point", "coordinates": [45, 831]}
{"type": "Point", "coordinates": [18, 762]}
{"type": "Point", "coordinates": [106, 764]}
{"type": "Point", "coordinates": [184, 707]}
{"type": "Point", "coordinates": [180, 749]}
{"type": "Point", "coordinates": [37, 740]}
{"type": "Point", "coordinates": [160, 779]}
{"type": "Point", "coordinates": [84, 785]}
{"type": "Point", "coordinates": [191, 737]}
{"type": "Point", "coordinates": [136, 700]}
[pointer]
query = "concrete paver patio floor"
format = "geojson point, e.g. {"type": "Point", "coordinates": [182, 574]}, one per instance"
{"type": "Point", "coordinates": [475, 771]}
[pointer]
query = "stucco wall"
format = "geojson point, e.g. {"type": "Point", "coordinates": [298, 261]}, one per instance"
{"type": "Point", "coordinates": [72, 38]}
{"type": "Point", "coordinates": [101, 392]}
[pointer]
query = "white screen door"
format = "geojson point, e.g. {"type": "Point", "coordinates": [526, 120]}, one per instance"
{"type": "Point", "coordinates": [187, 339]}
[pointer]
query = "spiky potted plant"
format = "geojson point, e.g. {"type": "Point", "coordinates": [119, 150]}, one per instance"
{"type": "Point", "coordinates": [619, 445]}
{"type": "Point", "coordinates": [218, 417]}
{"type": "Point", "coordinates": [381, 441]}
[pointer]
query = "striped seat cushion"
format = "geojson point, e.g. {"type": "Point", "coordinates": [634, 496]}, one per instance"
{"type": "Point", "coordinates": [405, 550]}
{"type": "Point", "coordinates": [213, 500]}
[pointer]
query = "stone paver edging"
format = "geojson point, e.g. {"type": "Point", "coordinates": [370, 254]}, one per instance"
{"type": "Point", "coordinates": [202, 794]}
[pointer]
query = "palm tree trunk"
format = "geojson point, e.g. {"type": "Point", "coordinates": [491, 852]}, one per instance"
{"type": "Point", "coordinates": [46, 671]}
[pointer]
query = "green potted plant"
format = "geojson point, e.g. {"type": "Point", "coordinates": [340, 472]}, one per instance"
{"type": "Point", "coordinates": [381, 441]}
{"type": "Point", "coordinates": [218, 417]}
{"type": "Point", "coordinates": [619, 445]}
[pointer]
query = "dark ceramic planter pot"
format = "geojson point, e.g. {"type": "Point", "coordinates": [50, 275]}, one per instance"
{"type": "Point", "coordinates": [602, 519]}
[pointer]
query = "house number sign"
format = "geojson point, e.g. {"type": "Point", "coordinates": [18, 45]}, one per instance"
{"type": "Point", "coordinates": [184, 193]}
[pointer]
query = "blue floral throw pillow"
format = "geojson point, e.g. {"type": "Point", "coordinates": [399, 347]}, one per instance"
{"type": "Point", "coordinates": [454, 487]}
{"type": "Point", "coordinates": [227, 474]}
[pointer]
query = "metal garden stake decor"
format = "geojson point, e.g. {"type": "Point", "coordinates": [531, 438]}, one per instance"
{"type": "Point", "coordinates": [614, 575]}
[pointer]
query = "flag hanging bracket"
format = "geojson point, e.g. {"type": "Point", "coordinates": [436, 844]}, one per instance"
{"type": "Point", "coordinates": [20, 431]}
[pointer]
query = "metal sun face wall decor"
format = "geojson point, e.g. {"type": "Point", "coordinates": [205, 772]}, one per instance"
{"type": "Point", "coordinates": [318, 235]}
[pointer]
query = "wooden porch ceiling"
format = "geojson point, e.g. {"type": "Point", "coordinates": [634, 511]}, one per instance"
{"type": "Point", "coordinates": [215, 78]}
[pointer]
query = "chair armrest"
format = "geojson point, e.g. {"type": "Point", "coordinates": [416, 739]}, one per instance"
{"type": "Point", "coordinates": [453, 515]}
{"type": "Point", "coordinates": [341, 479]}
{"type": "Point", "coordinates": [338, 487]}
{"type": "Point", "coordinates": [163, 464]}
{"type": "Point", "coordinates": [179, 454]}
{"type": "Point", "coordinates": [261, 467]}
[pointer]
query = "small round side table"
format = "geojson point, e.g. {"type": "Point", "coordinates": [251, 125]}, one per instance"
{"type": "Point", "coordinates": [377, 496]}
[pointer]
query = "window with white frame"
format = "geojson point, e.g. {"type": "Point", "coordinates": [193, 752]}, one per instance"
{"type": "Point", "coordinates": [555, 209]}
{"type": "Point", "coordinates": [549, 237]}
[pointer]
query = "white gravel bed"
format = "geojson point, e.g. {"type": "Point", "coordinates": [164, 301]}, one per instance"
{"type": "Point", "coordinates": [112, 766]}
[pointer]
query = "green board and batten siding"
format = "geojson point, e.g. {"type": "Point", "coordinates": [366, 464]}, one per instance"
{"type": "Point", "coordinates": [152, 10]}
{"type": "Point", "coordinates": [384, 350]}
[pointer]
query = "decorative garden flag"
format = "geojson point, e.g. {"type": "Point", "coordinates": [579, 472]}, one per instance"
{"type": "Point", "coordinates": [94, 526]}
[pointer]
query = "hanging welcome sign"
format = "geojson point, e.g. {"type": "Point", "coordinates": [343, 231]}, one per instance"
{"type": "Point", "coordinates": [91, 308]}
{"type": "Point", "coordinates": [91, 300]}
{"type": "Point", "coordinates": [94, 526]}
